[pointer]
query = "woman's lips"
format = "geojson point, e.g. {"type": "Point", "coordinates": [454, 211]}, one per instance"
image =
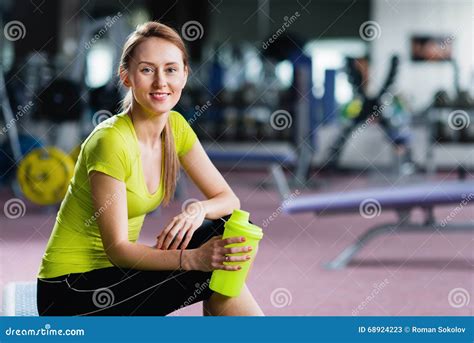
{"type": "Point", "coordinates": [160, 96]}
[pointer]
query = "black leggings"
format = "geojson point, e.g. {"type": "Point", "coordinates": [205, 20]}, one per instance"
{"type": "Point", "coordinates": [128, 292]}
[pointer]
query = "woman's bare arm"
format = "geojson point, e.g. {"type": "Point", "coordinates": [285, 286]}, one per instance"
{"type": "Point", "coordinates": [113, 227]}
{"type": "Point", "coordinates": [110, 199]}
{"type": "Point", "coordinates": [221, 200]}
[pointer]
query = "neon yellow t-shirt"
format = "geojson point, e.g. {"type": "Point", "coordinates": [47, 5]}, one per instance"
{"type": "Point", "coordinates": [75, 245]}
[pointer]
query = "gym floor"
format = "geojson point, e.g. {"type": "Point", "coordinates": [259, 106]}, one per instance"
{"type": "Point", "coordinates": [394, 275]}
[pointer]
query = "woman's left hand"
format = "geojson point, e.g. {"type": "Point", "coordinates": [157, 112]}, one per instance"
{"type": "Point", "coordinates": [180, 229]}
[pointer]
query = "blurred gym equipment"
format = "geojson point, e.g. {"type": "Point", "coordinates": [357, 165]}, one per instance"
{"type": "Point", "coordinates": [60, 101]}
{"type": "Point", "coordinates": [402, 199]}
{"type": "Point", "coordinates": [6, 110]}
{"type": "Point", "coordinates": [7, 162]}
{"type": "Point", "coordinates": [366, 109]}
{"type": "Point", "coordinates": [449, 120]}
{"type": "Point", "coordinates": [44, 175]}
{"type": "Point", "coordinates": [302, 107]}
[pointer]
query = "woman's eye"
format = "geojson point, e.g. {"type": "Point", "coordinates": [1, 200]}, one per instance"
{"type": "Point", "coordinates": [171, 70]}
{"type": "Point", "coordinates": [147, 70]}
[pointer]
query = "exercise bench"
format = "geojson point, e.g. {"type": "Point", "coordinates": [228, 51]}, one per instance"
{"type": "Point", "coordinates": [401, 199]}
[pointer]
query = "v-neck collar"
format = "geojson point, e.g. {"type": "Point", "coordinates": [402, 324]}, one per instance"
{"type": "Point", "coordinates": [142, 175]}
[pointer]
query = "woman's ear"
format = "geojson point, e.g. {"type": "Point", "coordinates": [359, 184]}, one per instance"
{"type": "Point", "coordinates": [124, 78]}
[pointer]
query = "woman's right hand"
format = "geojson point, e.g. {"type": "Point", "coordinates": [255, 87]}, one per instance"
{"type": "Point", "coordinates": [212, 255]}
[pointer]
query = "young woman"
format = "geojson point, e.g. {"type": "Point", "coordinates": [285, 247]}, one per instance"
{"type": "Point", "coordinates": [128, 166]}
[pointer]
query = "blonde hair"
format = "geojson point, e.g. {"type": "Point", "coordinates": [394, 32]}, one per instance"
{"type": "Point", "coordinates": [143, 32]}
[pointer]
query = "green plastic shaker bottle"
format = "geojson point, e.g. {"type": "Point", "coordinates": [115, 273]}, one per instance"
{"type": "Point", "coordinates": [230, 283]}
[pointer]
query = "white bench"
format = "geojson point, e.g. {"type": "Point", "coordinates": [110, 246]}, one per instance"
{"type": "Point", "coordinates": [19, 299]}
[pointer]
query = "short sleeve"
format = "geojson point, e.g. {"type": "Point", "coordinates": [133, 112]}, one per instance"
{"type": "Point", "coordinates": [184, 135]}
{"type": "Point", "coordinates": [106, 151]}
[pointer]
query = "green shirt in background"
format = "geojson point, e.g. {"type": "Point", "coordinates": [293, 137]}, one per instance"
{"type": "Point", "coordinates": [75, 245]}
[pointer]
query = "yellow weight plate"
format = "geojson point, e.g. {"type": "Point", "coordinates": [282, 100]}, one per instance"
{"type": "Point", "coordinates": [44, 175]}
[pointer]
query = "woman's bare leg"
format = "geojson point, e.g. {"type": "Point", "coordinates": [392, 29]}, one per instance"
{"type": "Point", "coordinates": [205, 308]}
{"type": "Point", "coordinates": [221, 305]}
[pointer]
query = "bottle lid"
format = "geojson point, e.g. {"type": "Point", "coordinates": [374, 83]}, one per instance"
{"type": "Point", "coordinates": [241, 219]}
{"type": "Point", "coordinates": [240, 216]}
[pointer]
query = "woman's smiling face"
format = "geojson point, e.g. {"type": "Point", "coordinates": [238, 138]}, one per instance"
{"type": "Point", "coordinates": [157, 75]}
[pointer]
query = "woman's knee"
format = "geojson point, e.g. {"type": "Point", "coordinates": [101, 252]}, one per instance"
{"type": "Point", "coordinates": [222, 298]}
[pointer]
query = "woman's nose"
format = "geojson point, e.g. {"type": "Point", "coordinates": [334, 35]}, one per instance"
{"type": "Point", "coordinates": [160, 80]}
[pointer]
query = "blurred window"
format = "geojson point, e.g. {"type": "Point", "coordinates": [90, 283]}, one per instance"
{"type": "Point", "coordinates": [331, 54]}
{"type": "Point", "coordinates": [99, 65]}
